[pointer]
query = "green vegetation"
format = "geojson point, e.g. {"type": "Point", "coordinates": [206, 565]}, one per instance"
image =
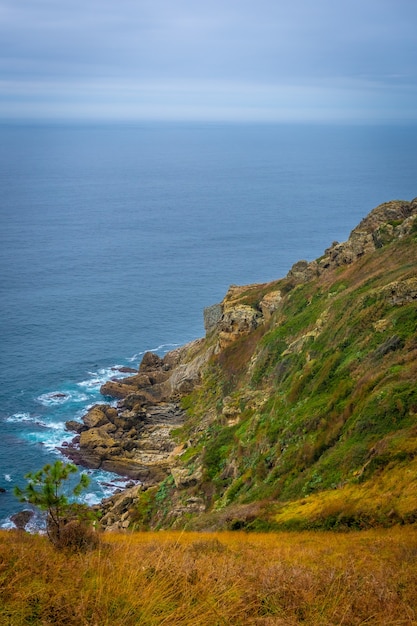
{"type": "Point", "coordinates": [67, 523]}
{"type": "Point", "coordinates": [316, 405]}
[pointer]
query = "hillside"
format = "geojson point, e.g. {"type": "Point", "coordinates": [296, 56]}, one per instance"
{"type": "Point", "coordinates": [299, 408]}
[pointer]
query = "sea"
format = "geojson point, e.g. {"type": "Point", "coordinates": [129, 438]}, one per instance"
{"type": "Point", "coordinates": [114, 237]}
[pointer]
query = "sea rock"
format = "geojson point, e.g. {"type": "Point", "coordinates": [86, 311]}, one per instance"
{"type": "Point", "coordinates": [124, 370]}
{"type": "Point", "coordinates": [135, 443]}
{"type": "Point", "coordinates": [116, 389]}
{"type": "Point", "coordinates": [150, 382]}
{"type": "Point", "coordinates": [150, 362]}
{"type": "Point", "coordinates": [22, 518]}
{"type": "Point", "coordinates": [96, 445]}
{"type": "Point", "coordinates": [74, 426]}
{"type": "Point", "coordinates": [149, 474]}
{"type": "Point", "coordinates": [96, 417]}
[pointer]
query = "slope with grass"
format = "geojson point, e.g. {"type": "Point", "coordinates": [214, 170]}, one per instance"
{"type": "Point", "coordinates": [198, 579]}
{"type": "Point", "coordinates": [305, 415]}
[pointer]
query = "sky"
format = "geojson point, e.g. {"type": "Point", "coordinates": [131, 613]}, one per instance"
{"type": "Point", "coordinates": [220, 60]}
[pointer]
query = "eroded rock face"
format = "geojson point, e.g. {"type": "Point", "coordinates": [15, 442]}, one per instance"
{"type": "Point", "coordinates": [302, 271]}
{"type": "Point", "coordinates": [270, 303]}
{"type": "Point", "coordinates": [212, 316]}
{"type": "Point", "coordinates": [183, 479]}
{"type": "Point", "coordinates": [401, 292]}
{"type": "Point", "coordinates": [386, 222]}
{"type": "Point", "coordinates": [236, 321]}
{"type": "Point", "coordinates": [116, 510]}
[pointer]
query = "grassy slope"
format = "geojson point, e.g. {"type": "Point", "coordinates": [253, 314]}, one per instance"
{"type": "Point", "coordinates": [196, 579]}
{"type": "Point", "coordinates": [320, 425]}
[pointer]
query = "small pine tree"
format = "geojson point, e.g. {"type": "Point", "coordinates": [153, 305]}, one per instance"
{"type": "Point", "coordinates": [45, 490]}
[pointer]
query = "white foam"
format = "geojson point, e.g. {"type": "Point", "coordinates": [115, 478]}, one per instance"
{"type": "Point", "coordinates": [8, 478]}
{"type": "Point", "coordinates": [93, 384]}
{"type": "Point", "coordinates": [164, 348]}
{"type": "Point", "coordinates": [20, 417]}
{"type": "Point", "coordinates": [57, 398]}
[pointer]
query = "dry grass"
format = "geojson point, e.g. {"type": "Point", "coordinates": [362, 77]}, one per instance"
{"type": "Point", "coordinates": [194, 579]}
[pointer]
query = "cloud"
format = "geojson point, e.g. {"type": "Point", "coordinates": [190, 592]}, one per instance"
{"type": "Point", "coordinates": [237, 59]}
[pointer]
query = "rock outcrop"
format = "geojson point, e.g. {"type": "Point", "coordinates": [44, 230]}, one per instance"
{"type": "Point", "coordinates": [237, 315]}
{"type": "Point", "coordinates": [388, 221]}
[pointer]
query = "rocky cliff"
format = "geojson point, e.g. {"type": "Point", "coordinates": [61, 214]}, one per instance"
{"type": "Point", "coordinates": [298, 407]}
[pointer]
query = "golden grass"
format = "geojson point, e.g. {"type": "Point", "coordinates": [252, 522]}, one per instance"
{"type": "Point", "coordinates": [391, 493]}
{"type": "Point", "coordinates": [196, 579]}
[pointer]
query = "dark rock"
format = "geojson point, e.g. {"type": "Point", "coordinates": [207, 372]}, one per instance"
{"type": "Point", "coordinates": [74, 426]}
{"type": "Point", "coordinates": [150, 362]}
{"type": "Point", "coordinates": [390, 345]}
{"type": "Point", "coordinates": [21, 519]}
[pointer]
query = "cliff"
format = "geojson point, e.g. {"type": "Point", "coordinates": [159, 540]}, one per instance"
{"type": "Point", "coordinates": [297, 410]}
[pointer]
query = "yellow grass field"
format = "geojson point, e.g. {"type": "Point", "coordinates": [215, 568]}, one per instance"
{"type": "Point", "coordinates": [212, 579]}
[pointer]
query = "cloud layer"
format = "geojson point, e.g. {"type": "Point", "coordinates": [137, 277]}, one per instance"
{"type": "Point", "coordinates": [235, 59]}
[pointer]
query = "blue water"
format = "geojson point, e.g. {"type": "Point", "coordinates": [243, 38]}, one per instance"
{"type": "Point", "coordinates": [114, 238]}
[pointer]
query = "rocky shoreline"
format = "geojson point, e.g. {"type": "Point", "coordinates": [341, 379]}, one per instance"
{"type": "Point", "coordinates": [134, 438]}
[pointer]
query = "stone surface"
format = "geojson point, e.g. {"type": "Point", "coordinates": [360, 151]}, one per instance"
{"type": "Point", "coordinates": [270, 303]}
{"type": "Point", "coordinates": [212, 316]}
{"type": "Point", "coordinates": [401, 292]}
{"type": "Point", "coordinates": [236, 321]}
{"type": "Point", "coordinates": [22, 518]}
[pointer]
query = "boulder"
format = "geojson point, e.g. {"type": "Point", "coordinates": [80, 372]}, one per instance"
{"type": "Point", "coordinates": [150, 362]}
{"type": "Point", "coordinates": [95, 417]}
{"type": "Point", "coordinates": [149, 474]}
{"type": "Point", "coordinates": [115, 389]}
{"type": "Point", "coordinates": [22, 518]}
{"type": "Point", "coordinates": [74, 426]}
{"type": "Point", "coordinates": [96, 445]}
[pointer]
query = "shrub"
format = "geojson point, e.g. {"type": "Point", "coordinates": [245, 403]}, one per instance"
{"type": "Point", "coordinates": [68, 524]}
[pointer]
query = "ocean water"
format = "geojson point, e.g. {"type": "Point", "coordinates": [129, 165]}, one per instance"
{"type": "Point", "coordinates": [114, 238]}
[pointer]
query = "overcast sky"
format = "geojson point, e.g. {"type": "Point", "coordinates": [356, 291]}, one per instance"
{"type": "Point", "coordinates": [283, 60]}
